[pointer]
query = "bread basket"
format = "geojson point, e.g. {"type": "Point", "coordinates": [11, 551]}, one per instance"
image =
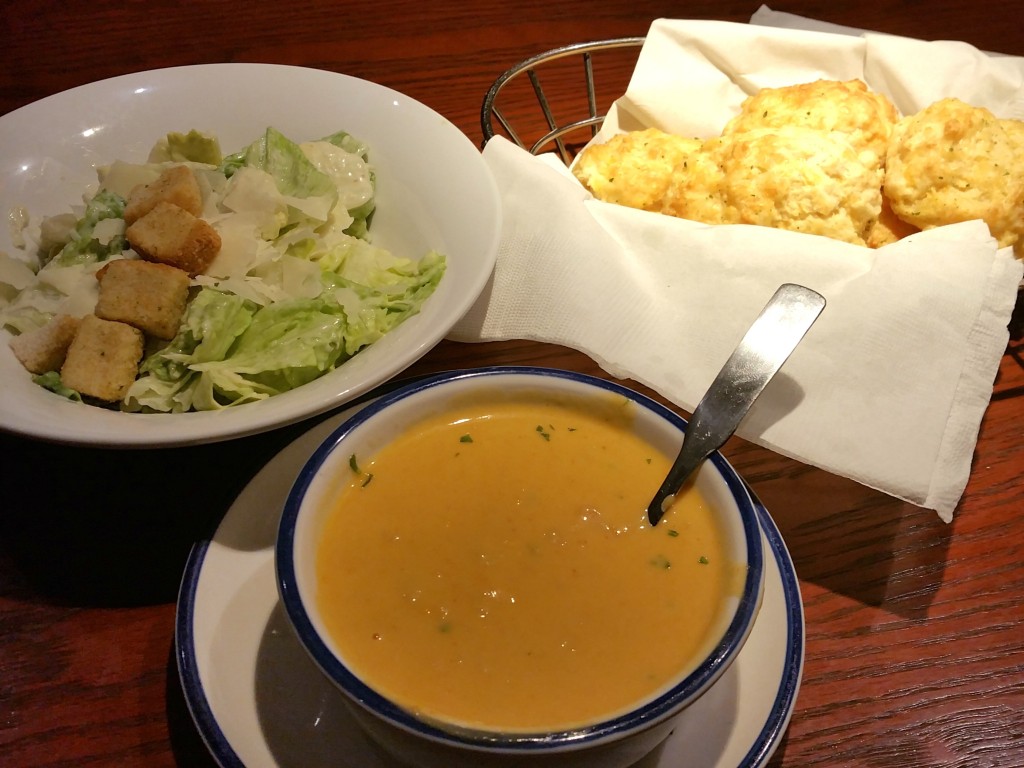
{"type": "Point", "coordinates": [565, 111]}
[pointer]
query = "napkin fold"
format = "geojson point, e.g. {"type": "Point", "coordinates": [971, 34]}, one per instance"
{"type": "Point", "coordinates": [888, 387]}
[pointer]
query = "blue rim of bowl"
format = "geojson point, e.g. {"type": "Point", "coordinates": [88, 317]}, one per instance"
{"type": "Point", "coordinates": [760, 751]}
{"type": "Point", "coordinates": [648, 715]}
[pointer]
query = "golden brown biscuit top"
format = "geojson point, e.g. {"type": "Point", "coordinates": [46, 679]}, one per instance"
{"type": "Point", "coordinates": [634, 168]}
{"type": "Point", "coordinates": [866, 118]}
{"type": "Point", "coordinates": [954, 162]}
{"type": "Point", "coordinates": [803, 180]}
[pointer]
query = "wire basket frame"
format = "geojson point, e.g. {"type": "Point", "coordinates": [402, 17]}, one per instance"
{"type": "Point", "coordinates": [557, 130]}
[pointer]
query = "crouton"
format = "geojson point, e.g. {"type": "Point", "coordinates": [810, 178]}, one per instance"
{"type": "Point", "coordinates": [45, 348]}
{"type": "Point", "coordinates": [171, 235]}
{"type": "Point", "coordinates": [176, 185]}
{"type": "Point", "coordinates": [103, 359]}
{"type": "Point", "coordinates": [144, 294]}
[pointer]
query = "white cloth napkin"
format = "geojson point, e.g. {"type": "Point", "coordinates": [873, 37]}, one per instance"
{"type": "Point", "coordinates": [889, 386]}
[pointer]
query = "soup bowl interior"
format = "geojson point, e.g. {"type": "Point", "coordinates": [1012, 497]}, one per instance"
{"type": "Point", "coordinates": [619, 739]}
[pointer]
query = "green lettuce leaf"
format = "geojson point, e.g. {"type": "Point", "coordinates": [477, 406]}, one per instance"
{"type": "Point", "coordinates": [288, 344]}
{"type": "Point", "coordinates": [51, 380]}
{"type": "Point", "coordinates": [296, 176]}
{"type": "Point", "coordinates": [194, 146]}
{"type": "Point", "coordinates": [212, 324]}
{"type": "Point", "coordinates": [349, 143]}
{"type": "Point", "coordinates": [284, 160]}
{"type": "Point", "coordinates": [380, 291]}
{"type": "Point", "coordinates": [361, 214]}
{"type": "Point", "coordinates": [83, 247]}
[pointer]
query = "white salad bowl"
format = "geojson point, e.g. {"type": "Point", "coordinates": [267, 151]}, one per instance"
{"type": "Point", "coordinates": [616, 741]}
{"type": "Point", "coordinates": [433, 192]}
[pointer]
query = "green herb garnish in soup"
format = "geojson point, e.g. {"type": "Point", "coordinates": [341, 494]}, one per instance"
{"type": "Point", "coordinates": [535, 556]}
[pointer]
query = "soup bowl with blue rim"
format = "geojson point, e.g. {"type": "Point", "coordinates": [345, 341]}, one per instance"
{"type": "Point", "coordinates": [412, 729]}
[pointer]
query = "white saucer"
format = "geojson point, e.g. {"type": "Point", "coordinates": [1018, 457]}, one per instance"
{"type": "Point", "coordinates": [258, 700]}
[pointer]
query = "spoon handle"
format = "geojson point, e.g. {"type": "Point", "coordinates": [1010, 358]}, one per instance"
{"type": "Point", "coordinates": [766, 345]}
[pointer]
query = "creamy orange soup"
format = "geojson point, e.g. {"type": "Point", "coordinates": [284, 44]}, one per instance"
{"type": "Point", "coordinates": [494, 566]}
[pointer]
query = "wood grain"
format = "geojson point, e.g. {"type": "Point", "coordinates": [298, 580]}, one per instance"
{"type": "Point", "coordinates": [915, 646]}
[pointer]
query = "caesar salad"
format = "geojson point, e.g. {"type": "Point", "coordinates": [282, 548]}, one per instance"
{"type": "Point", "coordinates": [200, 281]}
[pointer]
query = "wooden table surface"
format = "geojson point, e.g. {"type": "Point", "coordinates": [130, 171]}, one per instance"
{"type": "Point", "coordinates": [915, 628]}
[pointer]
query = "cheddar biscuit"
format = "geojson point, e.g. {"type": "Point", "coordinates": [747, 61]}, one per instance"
{"type": "Point", "coordinates": [697, 190]}
{"type": "Point", "coordinates": [802, 180]}
{"type": "Point", "coordinates": [953, 162]}
{"type": "Point", "coordinates": [889, 228]}
{"type": "Point", "coordinates": [864, 117]}
{"type": "Point", "coordinates": [634, 169]}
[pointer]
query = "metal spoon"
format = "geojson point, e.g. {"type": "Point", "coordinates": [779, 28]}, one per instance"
{"type": "Point", "coordinates": [766, 345]}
